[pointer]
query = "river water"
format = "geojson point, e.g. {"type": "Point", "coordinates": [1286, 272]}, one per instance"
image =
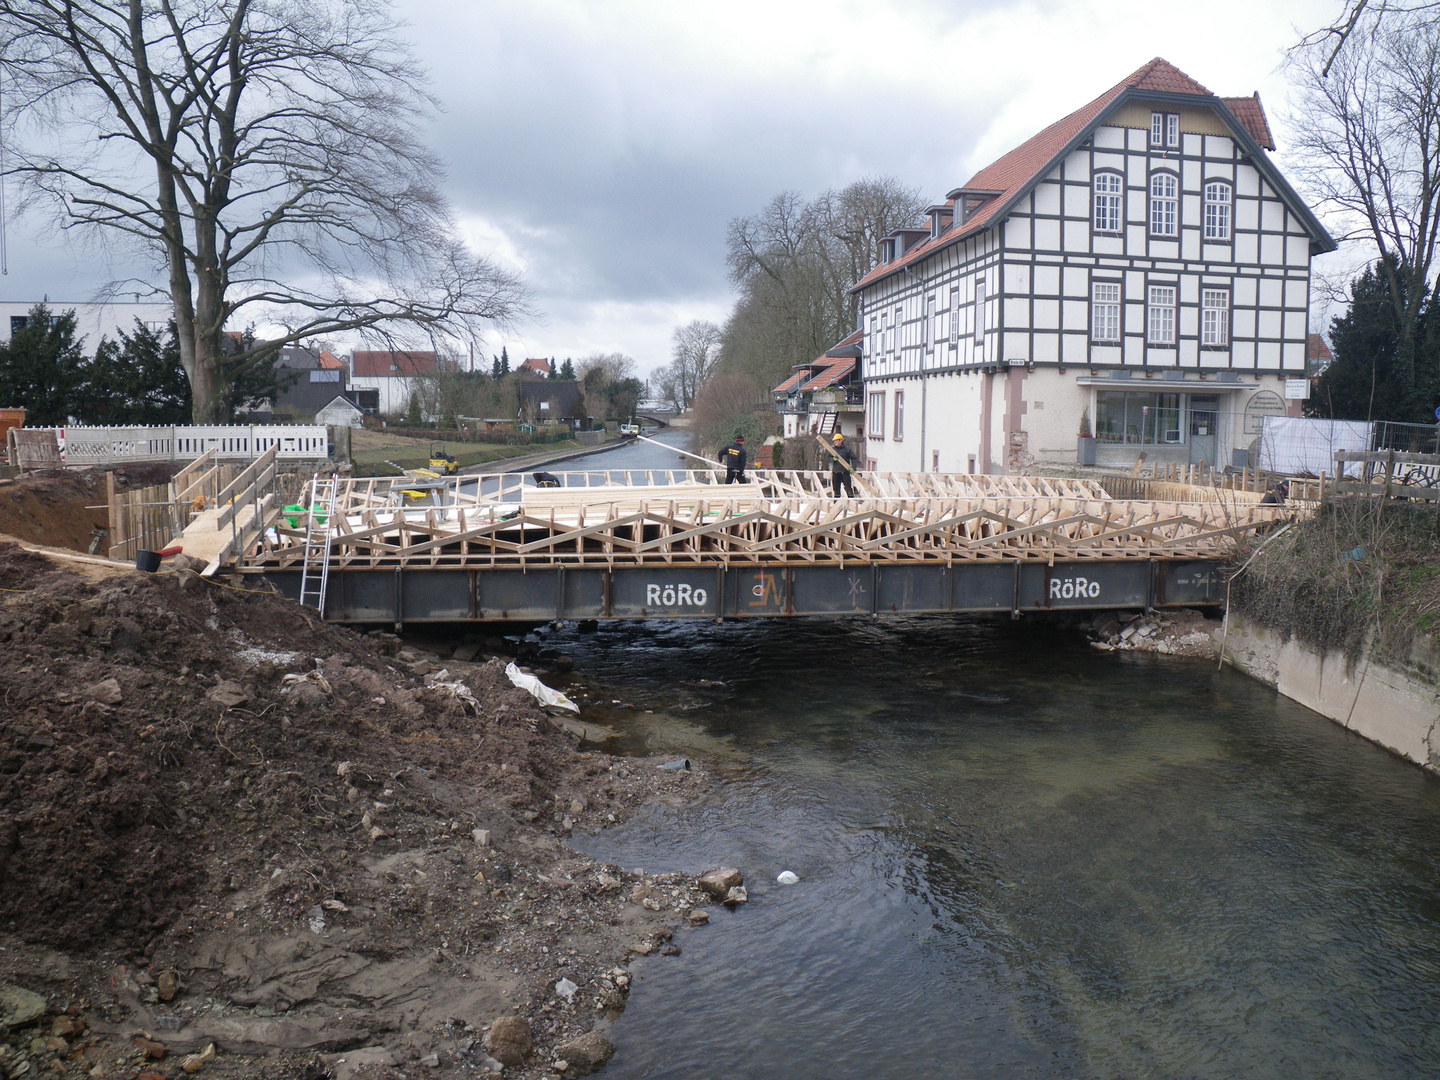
{"type": "Point", "coordinates": [1018, 858]}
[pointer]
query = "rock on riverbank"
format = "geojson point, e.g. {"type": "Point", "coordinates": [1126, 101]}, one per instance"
{"type": "Point", "coordinates": [1173, 633]}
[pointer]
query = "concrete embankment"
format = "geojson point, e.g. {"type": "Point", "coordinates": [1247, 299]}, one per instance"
{"type": "Point", "coordinates": [1397, 706]}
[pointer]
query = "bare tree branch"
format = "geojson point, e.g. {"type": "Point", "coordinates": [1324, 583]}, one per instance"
{"type": "Point", "coordinates": [1369, 145]}
{"type": "Point", "coordinates": [285, 177]}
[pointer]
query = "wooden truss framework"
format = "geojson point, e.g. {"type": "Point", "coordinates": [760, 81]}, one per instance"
{"type": "Point", "coordinates": [776, 521]}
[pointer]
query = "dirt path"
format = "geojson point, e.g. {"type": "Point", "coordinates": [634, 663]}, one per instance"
{"type": "Point", "coordinates": [225, 823]}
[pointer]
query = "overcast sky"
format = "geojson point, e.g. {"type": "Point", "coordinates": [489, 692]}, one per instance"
{"type": "Point", "coordinates": [600, 147]}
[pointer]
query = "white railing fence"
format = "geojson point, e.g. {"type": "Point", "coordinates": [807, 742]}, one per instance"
{"type": "Point", "coordinates": [113, 445]}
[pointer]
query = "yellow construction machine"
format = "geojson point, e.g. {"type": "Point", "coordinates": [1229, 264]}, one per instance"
{"type": "Point", "coordinates": [442, 462]}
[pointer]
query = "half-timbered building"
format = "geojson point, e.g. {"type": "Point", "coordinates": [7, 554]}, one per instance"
{"type": "Point", "coordinates": [1140, 267]}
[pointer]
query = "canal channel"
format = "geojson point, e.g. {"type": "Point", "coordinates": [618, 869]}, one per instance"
{"type": "Point", "coordinates": [1017, 858]}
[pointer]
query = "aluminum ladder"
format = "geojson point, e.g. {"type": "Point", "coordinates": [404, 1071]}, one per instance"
{"type": "Point", "coordinates": [315, 577]}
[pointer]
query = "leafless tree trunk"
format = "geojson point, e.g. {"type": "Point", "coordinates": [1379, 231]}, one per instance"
{"type": "Point", "coordinates": [285, 178]}
{"type": "Point", "coordinates": [1369, 148]}
{"type": "Point", "coordinates": [695, 350]}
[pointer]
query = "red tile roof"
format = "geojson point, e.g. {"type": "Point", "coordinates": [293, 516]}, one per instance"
{"type": "Point", "coordinates": [850, 340]}
{"type": "Point", "coordinates": [795, 379]}
{"type": "Point", "coordinates": [330, 362]}
{"type": "Point", "coordinates": [1316, 349]}
{"type": "Point", "coordinates": [817, 376]}
{"type": "Point", "coordinates": [1014, 171]}
{"type": "Point", "coordinates": [371, 365]}
{"type": "Point", "coordinates": [830, 375]}
{"type": "Point", "coordinates": [539, 364]}
{"type": "Point", "coordinates": [1251, 115]}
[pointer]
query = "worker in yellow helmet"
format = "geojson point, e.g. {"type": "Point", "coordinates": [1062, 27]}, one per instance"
{"type": "Point", "coordinates": [841, 466]}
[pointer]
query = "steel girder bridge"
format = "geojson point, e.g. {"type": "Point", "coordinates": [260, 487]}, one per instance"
{"type": "Point", "coordinates": [677, 544]}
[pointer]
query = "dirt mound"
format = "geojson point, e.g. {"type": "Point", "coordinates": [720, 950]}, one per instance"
{"type": "Point", "coordinates": [209, 781]}
{"type": "Point", "coordinates": [60, 509]}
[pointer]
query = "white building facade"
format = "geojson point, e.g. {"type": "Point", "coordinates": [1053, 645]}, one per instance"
{"type": "Point", "coordinates": [92, 320]}
{"type": "Point", "coordinates": [1140, 265]}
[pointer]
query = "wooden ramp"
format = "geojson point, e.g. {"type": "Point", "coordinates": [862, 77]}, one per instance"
{"type": "Point", "coordinates": [234, 519]}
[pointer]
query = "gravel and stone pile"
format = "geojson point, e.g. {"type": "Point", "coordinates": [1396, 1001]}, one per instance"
{"type": "Point", "coordinates": [1182, 632]}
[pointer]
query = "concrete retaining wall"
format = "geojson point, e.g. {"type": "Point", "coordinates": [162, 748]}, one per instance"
{"type": "Point", "coordinates": [1399, 709]}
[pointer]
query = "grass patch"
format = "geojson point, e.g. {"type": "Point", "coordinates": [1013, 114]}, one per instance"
{"type": "Point", "coordinates": [1361, 571]}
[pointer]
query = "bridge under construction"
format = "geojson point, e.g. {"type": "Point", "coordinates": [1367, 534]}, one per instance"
{"type": "Point", "coordinates": [679, 544]}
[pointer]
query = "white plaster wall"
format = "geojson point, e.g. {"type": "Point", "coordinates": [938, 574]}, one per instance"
{"type": "Point", "coordinates": [1052, 416]}
{"type": "Point", "coordinates": [394, 391]}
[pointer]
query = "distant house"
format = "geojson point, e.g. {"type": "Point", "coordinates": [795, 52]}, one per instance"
{"type": "Point", "coordinates": [92, 321]}
{"type": "Point", "coordinates": [1317, 354]}
{"type": "Point", "coordinates": [340, 412]}
{"type": "Point", "coordinates": [824, 396]}
{"type": "Point", "coordinates": [551, 401]}
{"type": "Point", "coordinates": [310, 381]}
{"type": "Point", "coordinates": [536, 366]}
{"type": "Point", "coordinates": [392, 374]}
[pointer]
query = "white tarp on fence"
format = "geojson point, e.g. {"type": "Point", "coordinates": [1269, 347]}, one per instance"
{"type": "Point", "coordinates": [1306, 446]}
{"type": "Point", "coordinates": [110, 445]}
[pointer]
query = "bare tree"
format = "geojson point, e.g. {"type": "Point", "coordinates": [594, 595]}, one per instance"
{"type": "Point", "coordinates": [1369, 149]}
{"type": "Point", "coordinates": [286, 181]}
{"type": "Point", "coordinates": [1332, 38]}
{"type": "Point", "coordinates": [695, 350]}
{"type": "Point", "coordinates": [794, 264]}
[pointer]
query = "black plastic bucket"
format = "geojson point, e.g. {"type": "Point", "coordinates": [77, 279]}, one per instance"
{"type": "Point", "coordinates": [148, 561]}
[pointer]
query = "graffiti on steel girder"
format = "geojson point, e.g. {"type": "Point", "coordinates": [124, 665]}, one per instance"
{"type": "Point", "coordinates": [767, 589]}
{"type": "Point", "coordinates": [857, 590]}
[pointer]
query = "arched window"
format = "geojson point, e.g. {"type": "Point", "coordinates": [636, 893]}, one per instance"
{"type": "Point", "coordinates": [1107, 190]}
{"type": "Point", "coordinates": [1164, 205]}
{"type": "Point", "coordinates": [1218, 201]}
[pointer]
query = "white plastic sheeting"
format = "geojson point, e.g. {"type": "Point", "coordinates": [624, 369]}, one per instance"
{"type": "Point", "coordinates": [1306, 446]}
{"type": "Point", "coordinates": [552, 700]}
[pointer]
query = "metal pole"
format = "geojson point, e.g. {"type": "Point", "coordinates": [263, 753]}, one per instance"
{"type": "Point", "coordinates": [712, 466]}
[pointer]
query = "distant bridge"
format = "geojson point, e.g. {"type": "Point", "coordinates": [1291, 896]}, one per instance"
{"type": "Point", "coordinates": [677, 544]}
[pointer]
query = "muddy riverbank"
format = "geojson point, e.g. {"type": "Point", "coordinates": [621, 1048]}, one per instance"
{"type": "Point", "coordinates": [225, 823]}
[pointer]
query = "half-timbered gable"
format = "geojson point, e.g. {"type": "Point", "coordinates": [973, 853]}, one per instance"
{"type": "Point", "coordinates": [1140, 261]}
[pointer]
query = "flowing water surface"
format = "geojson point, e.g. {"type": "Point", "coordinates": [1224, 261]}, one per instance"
{"type": "Point", "coordinates": [1018, 857]}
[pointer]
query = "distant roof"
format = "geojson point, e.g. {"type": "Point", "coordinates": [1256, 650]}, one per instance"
{"type": "Point", "coordinates": [330, 362]}
{"type": "Point", "coordinates": [849, 346]}
{"type": "Point", "coordinates": [371, 365]}
{"type": "Point", "coordinates": [1316, 349]}
{"type": "Point", "coordinates": [536, 363]}
{"type": "Point", "coordinates": [1011, 175]}
{"type": "Point", "coordinates": [344, 399]}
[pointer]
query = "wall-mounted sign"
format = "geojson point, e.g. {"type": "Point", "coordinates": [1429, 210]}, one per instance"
{"type": "Point", "coordinates": [1265, 403]}
{"type": "Point", "coordinates": [1297, 389]}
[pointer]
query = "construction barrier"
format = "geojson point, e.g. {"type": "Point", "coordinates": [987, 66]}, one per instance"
{"type": "Point", "coordinates": [115, 445]}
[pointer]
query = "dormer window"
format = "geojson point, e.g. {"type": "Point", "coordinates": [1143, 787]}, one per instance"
{"type": "Point", "coordinates": [1164, 130]}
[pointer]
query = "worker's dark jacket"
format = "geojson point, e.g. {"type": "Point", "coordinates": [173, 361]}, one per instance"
{"type": "Point", "coordinates": [733, 457]}
{"type": "Point", "coordinates": [846, 453]}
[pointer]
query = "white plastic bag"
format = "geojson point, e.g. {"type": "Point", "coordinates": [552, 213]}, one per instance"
{"type": "Point", "coordinates": [553, 700]}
